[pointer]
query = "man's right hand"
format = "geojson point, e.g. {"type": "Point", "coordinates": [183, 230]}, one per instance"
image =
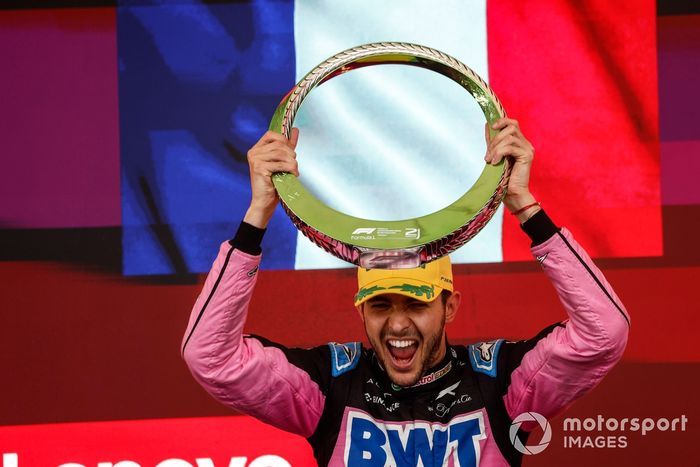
{"type": "Point", "coordinates": [272, 153]}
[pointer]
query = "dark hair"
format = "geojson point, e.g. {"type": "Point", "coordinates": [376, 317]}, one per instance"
{"type": "Point", "coordinates": [445, 295]}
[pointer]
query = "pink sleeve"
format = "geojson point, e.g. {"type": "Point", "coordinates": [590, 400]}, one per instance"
{"type": "Point", "coordinates": [243, 373]}
{"type": "Point", "coordinates": [573, 358]}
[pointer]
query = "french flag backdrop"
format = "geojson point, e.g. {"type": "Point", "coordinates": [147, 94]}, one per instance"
{"type": "Point", "coordinates": [123, 133]}
{"type": "Point", "coordinates": [198, 84]}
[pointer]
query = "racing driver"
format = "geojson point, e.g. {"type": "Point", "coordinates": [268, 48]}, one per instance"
{"type": "Point", "coordinates": [411, 398]}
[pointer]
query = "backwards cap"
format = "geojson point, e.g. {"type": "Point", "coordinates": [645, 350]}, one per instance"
{"type": "Point", "coordinates": [423, 283]}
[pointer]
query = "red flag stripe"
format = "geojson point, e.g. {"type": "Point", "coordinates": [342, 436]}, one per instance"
{"type": "Point", "coordinates": [582, 82]}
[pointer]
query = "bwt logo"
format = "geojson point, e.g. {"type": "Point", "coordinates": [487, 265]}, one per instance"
{"type": "Point", "coordinates": [530, 417]}
{"type": "Point", "coordinates": [373, 442]}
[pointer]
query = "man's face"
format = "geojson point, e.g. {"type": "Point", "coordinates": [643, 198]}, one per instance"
{"type": "Point", "coordinates": [408, 335]}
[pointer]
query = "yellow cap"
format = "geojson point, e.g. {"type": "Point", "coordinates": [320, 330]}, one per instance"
{"type": "Point", "coordinates": [423, 283]}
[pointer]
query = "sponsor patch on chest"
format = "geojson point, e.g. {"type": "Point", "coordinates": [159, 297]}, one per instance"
{"type": "Point", "coordinates": [371, 442]}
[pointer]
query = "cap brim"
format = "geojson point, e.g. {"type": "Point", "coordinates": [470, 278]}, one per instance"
{"type": "Point", "coordinates": [412, 288]}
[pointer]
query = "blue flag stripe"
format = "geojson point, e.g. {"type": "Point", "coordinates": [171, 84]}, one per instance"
{"type": "Point", "coordinates": [197, 86]}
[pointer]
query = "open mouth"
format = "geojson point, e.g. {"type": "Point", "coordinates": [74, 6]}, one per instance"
{"type": "Point", "coordinates": [402, 352]}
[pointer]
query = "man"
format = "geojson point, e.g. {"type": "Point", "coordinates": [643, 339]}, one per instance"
{"type": "Point", "coordinates": [412, 399]}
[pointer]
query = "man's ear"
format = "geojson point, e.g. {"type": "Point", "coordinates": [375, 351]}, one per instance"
{"type": "Point", "coordinates": [360, 311]}
{"type": "Point", "coordinates": [452, 306]}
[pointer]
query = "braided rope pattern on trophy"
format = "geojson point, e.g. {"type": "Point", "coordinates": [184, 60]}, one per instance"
{"type": "Point", "coordinates": [348, 57]}
{"type": "Point", "coordinates": [330, 245]}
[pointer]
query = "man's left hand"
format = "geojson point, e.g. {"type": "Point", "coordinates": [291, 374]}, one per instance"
{"type": "Point", "coordinates": [510, 142]}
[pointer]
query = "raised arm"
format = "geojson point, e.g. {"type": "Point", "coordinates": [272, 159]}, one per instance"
{"type": "Point", "coordinates": [547, 373]}
{"type": "Point", "coordinates": [283, 387]}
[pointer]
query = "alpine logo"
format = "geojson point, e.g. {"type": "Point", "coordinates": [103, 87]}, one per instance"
{"type": "Point", "coordinates": [344, 357]}
{"type": "Point", "coordinates": [485, 350]}
{"type": "Point", "coordinates": [484, 356]}
{"type": "Point", "coordinates": [349, 352]}
{"type": "Point", "coordinates": [375, 442]}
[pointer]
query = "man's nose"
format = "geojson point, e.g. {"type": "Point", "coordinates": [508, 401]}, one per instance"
{"type": "Point", "coordinates": [398, 320]}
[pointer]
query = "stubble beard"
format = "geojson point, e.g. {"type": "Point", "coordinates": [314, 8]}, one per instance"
{"type": "Point", "coordinates": [430, 357]}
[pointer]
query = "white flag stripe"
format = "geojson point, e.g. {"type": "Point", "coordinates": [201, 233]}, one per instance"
{"type": "Point", "coordinates": [391, 142]}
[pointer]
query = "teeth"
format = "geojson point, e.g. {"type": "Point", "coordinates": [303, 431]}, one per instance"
{"type": "Point", "coordinates": [401, 344]}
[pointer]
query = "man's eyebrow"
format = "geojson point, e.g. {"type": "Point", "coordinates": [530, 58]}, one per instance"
{"type": "Point", "coordinates": [378, 299]}
{"type": "Point", "coordinates": [415, 302]}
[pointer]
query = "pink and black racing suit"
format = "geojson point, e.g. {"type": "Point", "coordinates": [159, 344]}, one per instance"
{"type": "Point", "coordinates": [340, 399]}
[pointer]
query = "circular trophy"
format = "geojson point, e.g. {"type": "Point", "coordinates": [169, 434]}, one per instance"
{"type": "Point", "coordinates": [408, 243]}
